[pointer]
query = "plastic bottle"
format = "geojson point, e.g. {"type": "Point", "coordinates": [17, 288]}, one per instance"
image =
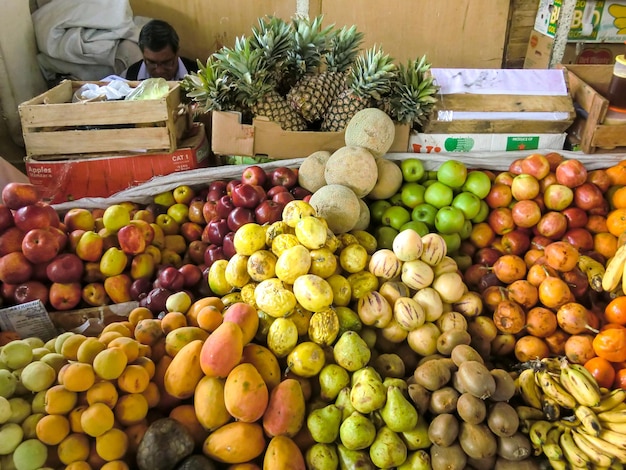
{"type": "Point", "coordinates": [617, 86]}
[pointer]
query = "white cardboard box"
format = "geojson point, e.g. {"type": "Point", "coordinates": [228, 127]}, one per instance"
{"type": "Point", "coordinates": [436, 143]}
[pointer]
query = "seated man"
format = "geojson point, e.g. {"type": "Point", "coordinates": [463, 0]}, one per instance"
{"type": "Point", "coordinates": [158, 42]}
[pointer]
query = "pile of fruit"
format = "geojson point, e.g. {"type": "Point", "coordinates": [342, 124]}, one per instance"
{"type": "Point", "coordinates": [355, 312]}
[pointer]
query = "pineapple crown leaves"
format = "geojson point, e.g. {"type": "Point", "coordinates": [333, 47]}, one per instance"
{"type": "Point", "coordinates": [274, 36]}
{"type": "Point", "coordinates": [342, 50]}
{"type": "Point", "coordinates": [208, 86]}
{"type": "Point", "coordinates": [373, 73]}
{"type": "Point", "coordinates": [310, 44]}
{"type": "Point", "coordinates": [246, 71]}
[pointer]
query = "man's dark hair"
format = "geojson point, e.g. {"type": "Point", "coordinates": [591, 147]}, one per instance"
{"type": "Point", "coordinates": [156, 35]}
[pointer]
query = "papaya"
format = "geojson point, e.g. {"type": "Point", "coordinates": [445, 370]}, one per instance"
{"type": "Point", "coordinates": [283, 454]}
{"type": "Point", "coordinates": [285, 411]}
{"type": "Point", "coordinates": [222, 350]}
{"type": "Point", "coordinates": [235, 442]}
{"type": "Point", "coordinates": [265, 362]}
{"type": "Point", "coordinates": [176, 339]}
{"type": "Point", "coordinates": [246, 316]}
{"type": "Point", "coordinates": [208, 402]}
{"type": "Point", "coordinates": [245, 393]}
{"type": "Point", "coordinates": [184, 372]}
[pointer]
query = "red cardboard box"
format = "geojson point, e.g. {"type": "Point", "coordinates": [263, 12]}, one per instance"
{"type": "Point", "coordinates": [70, 179]}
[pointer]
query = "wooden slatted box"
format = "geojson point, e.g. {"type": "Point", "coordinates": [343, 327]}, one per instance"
{"type": "Point", "coordinates": [53, 125]}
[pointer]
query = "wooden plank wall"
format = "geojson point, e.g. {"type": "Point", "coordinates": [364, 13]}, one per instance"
{"type": "Point", "coordinates": [521, 23]}
{"type": "Point", "coordinates": [452, 33]}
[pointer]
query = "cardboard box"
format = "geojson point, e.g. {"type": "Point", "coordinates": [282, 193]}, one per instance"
{"type": "Point", "coordinates": [54, 125]}
{"type": "Point", "coordinates": [501, 101]}
{"type": "Point", "coordinates": [435, 143]}
{"type": "Point", "coordinates": [591, 129]}
{"type": "Point", "coordinates": [267, 139]}
{"type": "Point", "coordinates": [68, 179]}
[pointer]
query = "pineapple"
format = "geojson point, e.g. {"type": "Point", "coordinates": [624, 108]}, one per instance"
{"type": "Point", "coordinates": [255, 87]}
{"type": "Point", "coordinates": [275, 37]}
{"type": "Point", "coordinates": [371, 77]}
{"type": "Point", "coordinates": [413, 95]}
{"type": "Point", "coordinates": [209, 87]}
{"type": "Point", "coordinates": [310, 42]}
{"type": "Point", "coordinates": [313, 93]}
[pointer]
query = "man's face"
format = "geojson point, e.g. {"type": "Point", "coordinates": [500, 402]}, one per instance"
{"type": "Point", "coordinates": [161, 64]}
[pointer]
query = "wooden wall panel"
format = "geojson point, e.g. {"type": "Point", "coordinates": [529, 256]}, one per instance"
{"type": "Point", "coordinates": [521, 23]}
{"type": "Point", "coordinates": [453, 33]}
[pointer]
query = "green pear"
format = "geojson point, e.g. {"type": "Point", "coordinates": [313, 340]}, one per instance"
{"type": "Point", "coordinates": [353, 459]}
{"type": "Point", "coordinates": [398, 413]}
{"type": "Point", "coordinates": [344, 404]}
{"type": "Point", "coordinates": [16, 354]}
{"type": "Point", "coordinates": [400, 383]}
{"type": "Point", "coordinates": [388, 450]}
{"type": "Point", "coordinates": [323, 423]}
{"type": "Point", "coordinates": [8, 383]}
{"type": "Point", "coordinates": [368, 392]}
{"type": "Point", "coordinates": [348, 320]}
{"type": "Point", "coordinates": [351, 351]}
{"type": "Point", "coordinates": [418, 460]}
{"type": "Point", "coordinates": [332, 379]}
{"type": "Point", "coordinates": [389, 365]}
{"type": "Point", "coordinates": [417, 438]}
{"type": "Point", "coordinates": [322, 457]}
{"type": "Point", "coordinates": [357, 432]}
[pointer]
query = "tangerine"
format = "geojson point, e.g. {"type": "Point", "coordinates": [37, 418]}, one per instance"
{"type": "Point", "coordinates": [618, 198]}
{"type": "Point", "coordinates": [616, 222]}
{"type": "Point", "coordinates": [611, 344]}
{"type": "Point", "coordinates": [605, 243]}
{"type": "Point", "coordinates": [615, 311]}
{"type": "Point", "coordinates": [602, 370]}
{"type": "Point", "coordinates": [620, 379]}
{"type": "Point", "coordinates": [617, 173]}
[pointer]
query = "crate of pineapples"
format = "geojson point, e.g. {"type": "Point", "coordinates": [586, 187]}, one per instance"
{"type": "Point", "coordinates": [291, 87]}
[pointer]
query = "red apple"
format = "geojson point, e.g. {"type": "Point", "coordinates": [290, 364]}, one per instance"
{"type": "Point", "coordinates": [224, 206]}
{"type": "Point", "coordinates": [238, 217]}
{"type": "Point", "coordinates": [209, 211]}
{"type": "Point", "coordinates": [598, 177]}
{"type": "Point", "coordinates": [31, 216]}
{"type": "Point", "coordinates": [195, 251]}
{"type": "Point", "coordinates": [588, 196]}
{"type": "Point", "coordinates": [11, 240]}
{"type": "Point", "coordinates": [191, 231]}
{"type": "Point", "coordinates": [170, 278]}
{"type": "Point", "coordinates": [602, 209]}
{"type": "Point", "coordinates": [40, 245]}
{"type": "Point", "coordinates": [228, 245]}
{"type": "Point", "coordinates": [15, 268]}
{"type": "Point", "coordinates": [576, 217]}
{"type": "Point", "coordinates": [499, 196]}
{"type": "Point", "coordinates": [6, 292]}
{"type": "Point", "coordinates": [504, 177]}
{"type": "Point", "coordinates": [73, 238]}
{"type": "Point", "coordinates": [554, 158]}
{"type": "Point", "coordinates": [299, 192]}
{"type": "Point", "coordinates": [536, 165]}
{"type": "Point", "coordinates": [39, 272]}
{"type": "Point", "coordinates": [65, 296]}
{"type": "Point", "coordinates": [515, 167]}
{"type": "Point", "coordinates": [487, 256]}
{"type": "Point", "coordinates": [16, 195]}
{"type": "Point", "coordinates": [92, 272]}
{"type": "Point", "coordinates": [231, 185]}
{"type": "Point", "coordinates": [139, 288]}
{"type": "Point", "coordinates": [571, 173]}
{"type": "Point", "coordinates": [6, 218]}
{"type": "Point", "coordinates": [94, 294]}
{"type": "Point", "coordinates": [557, 197]}
{"type": "Point", "coordinates": [579, 237]}
{"type": "Point", "coordinates": [131, 239]}
{"type": "Point", "coordinates": [215, 230]}
{"type": "Point", "coordinates": [283, 197]}
{"type": "Point", "coordinates": [218, 186]}
{"type": "Point", "coordinates": [552, 225]}
{"type": "Point", "coordinates": [526, 214]}
{"type": "Point", "coordinates": [29, 291]}
{"type": "Point", "coordinates": [547, 181]}
{"type": "Point", "coordinates": [213, 253]}
{"type": "Point", "coordinates": [65, 268]}
{"type": "Point", "coordinates": [283, 176]}
{"type": "Point", "coordinates": [539, 242]}
{"type": "Point", "coordinates": [192, 274]}
{"type": "Point", "coordinates": [147, 229]}
{"type": "Point", "coordinates": [245, 195]}
{"type": "Point", "coordinates": [275, 190]}
{"type": "Point", "coordinates": [500, 220]}
{"type": "Point", "coordinates": [155, 300]}
{"type": "Point", "coordinates": [254, 174]}
{"type": "Point", "coordinates": [195, 212]}
{"type": "Point", "coordinates": [515, 242]}
{"type": "Point", "coordinates": [61, 236]}
{"type": "Point", "coordinates": [268, 212]}
{"type": "Point", "coordinates": [524, 187]}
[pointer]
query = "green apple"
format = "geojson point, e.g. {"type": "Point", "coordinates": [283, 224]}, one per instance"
{"type": "Point", "coordinates": [396, 217]}
{"type": "Point", "coordinates": [466, 231]}
{"type": "Point", "coordinates": [178, 302]}
{"type": "Point", "coordinates": [468, 202]}
{"type": "Point", "coordinates": [425, 213]}
{"type": "Point", "coordinates": [478, 183]}
{"type": "Point", "coordinates": [412, 169]}
{"type": "Point", "coordinates": [115, 217]}
{"type": "Point", "coordinates": [79, 218]}
{"type": "Point", "coordinates": [483, 213]}
{"type": "Point", "coordinates": [453, 173]}
{"type": "Point", "coordinates": [183, 194]}
{"type": "Point", "coordinates": [166, 198]}
{"type": "Point", "coordinates": [167, 224]}
{"type": "Point", "coordinates": [412, 194]}
{"type": "Point", "coordinates": [438, 194]}
{"type": "Point", "coordinates": [179, 212]}
{"type": "Point", "coordinates": [453, 242]}
{"type": "Point", "coordinates": [113, 262]}
{"type": "Point", "coordinates": [449, 220]}
{"type": "Point", "coordinates": [90, 246]}
{"type": "Point", "coordinates": [396, 199]}
{"type": "Point", "coordinates": [431, 175]}
{"type": "Point", "coordinates": [420, 227]}
{"type": "Point", "coordinates": [377, 208]}
{"type": "Point", "coordinates": [384, 236]}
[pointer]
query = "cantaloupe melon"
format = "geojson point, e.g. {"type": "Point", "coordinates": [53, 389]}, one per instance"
{"type": "Point", "coordinates": [311, 172]}
{"type": "Point", "coordinates": [364, 217]}
{"type": "Point", "coordinates": [354, 167]}
{"type": "Point", "coordinates": [373, 129]}
{"type": "Point", "coordinates": [389, 179]}
{"type": "Point", "coordinates": [338, 205]}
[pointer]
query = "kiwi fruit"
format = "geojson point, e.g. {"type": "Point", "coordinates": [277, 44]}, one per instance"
{"type": "Point", "coordinates": [451, 338]}
{"type": "Point", "coordinates": [433, 375]}
{"type": "Point", "coordinates": [443, 400]}
{"type": "Point", "coordinates": [516, 447]}
{"type": "Point", "coordinates": [505, 385]}
{"type": "Point", "coordinates": [464, 352]}
{"type": "Point", "coordinates": [448, 458]}
{"type": "Point", "coordinates": [419, 396]}
{"type": "Point", "coordinates": [476, 379]}
{"type": "Point", "coordinates": [471, 409]}
{"type": "Point", "coordinates": [477, 440]}
{"type": "Point", "coordinates": [503, 419]}
{"type": "Point", "coordinates": [443, 430]}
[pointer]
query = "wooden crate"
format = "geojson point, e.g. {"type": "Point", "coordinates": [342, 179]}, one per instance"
{"type": "Point", "coordinates": [588, 86]}
{"type": "Point", "coordinates": [53, 125]}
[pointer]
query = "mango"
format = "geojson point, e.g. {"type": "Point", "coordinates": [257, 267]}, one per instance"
{"type": "Point", "coordinates": [283, 454]}
{"type": "Point", "coordinates": [184, 372]}
{"type": "Point", "coordinates": [176, 339]}
{"type": "Point", "coordinates": [208, 402]}
{"type": "Point", "coordinates": [222, 350]}
{"type": "Point", "coordinates": [285, 411]}
{"type": "Point", "coordinates": [245, 393]}
{"type": "Point", "coordinates": [236, 442]}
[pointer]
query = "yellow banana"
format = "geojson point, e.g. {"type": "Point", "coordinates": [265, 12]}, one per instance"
{"type": "Point", "coordinates": [588, 419]}
{"type": "Point", "coordinates": [551, 447]}
{"type": "Point", "coordinates": [594, 271]}
{"type": "Point", "coordinates": [580, 384]}
{"type": "Point", "coordinates": [614, 270]}
{"type": "Point", "coordinates": [573, 454]}
{"type": "Point", "coordinates": [529, 412]}
{"type": "Point", "coordinates": [553, 389]}
{"type": "Point", "coordinates": [551, 409]}
{"type": "Point", "coordinates": [528, 389]}
{"type": "Point", "coordinates": [558, 464]}
{"type": "Point", "coordinates": [538, 434]}
{"type": "Point", "coordinates": [609, 448]}
{"type": "Point", "coordinates": [616, 438]}
{"type": "Point", "coordinates": [552, 364]}
{"type": "Point", "coordinates": [596, 455]}
{"type": "Point", "coordinates": [613, 426]}
{"type": "Point", "coordinates": [613, 416]}
{"type": "Point", "coordinates": [611, 400]}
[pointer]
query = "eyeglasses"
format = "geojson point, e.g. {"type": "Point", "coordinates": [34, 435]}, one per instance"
{"type": "Point", "coordinates": [165, 64]}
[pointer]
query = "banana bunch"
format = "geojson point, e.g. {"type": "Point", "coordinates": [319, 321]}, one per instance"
{"type": "Point", "coordinates": [614, 277]}
{"type": "Point", "coordinates": [594, 270]}
{"type": "Point", "coordinates": [569, 418]}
